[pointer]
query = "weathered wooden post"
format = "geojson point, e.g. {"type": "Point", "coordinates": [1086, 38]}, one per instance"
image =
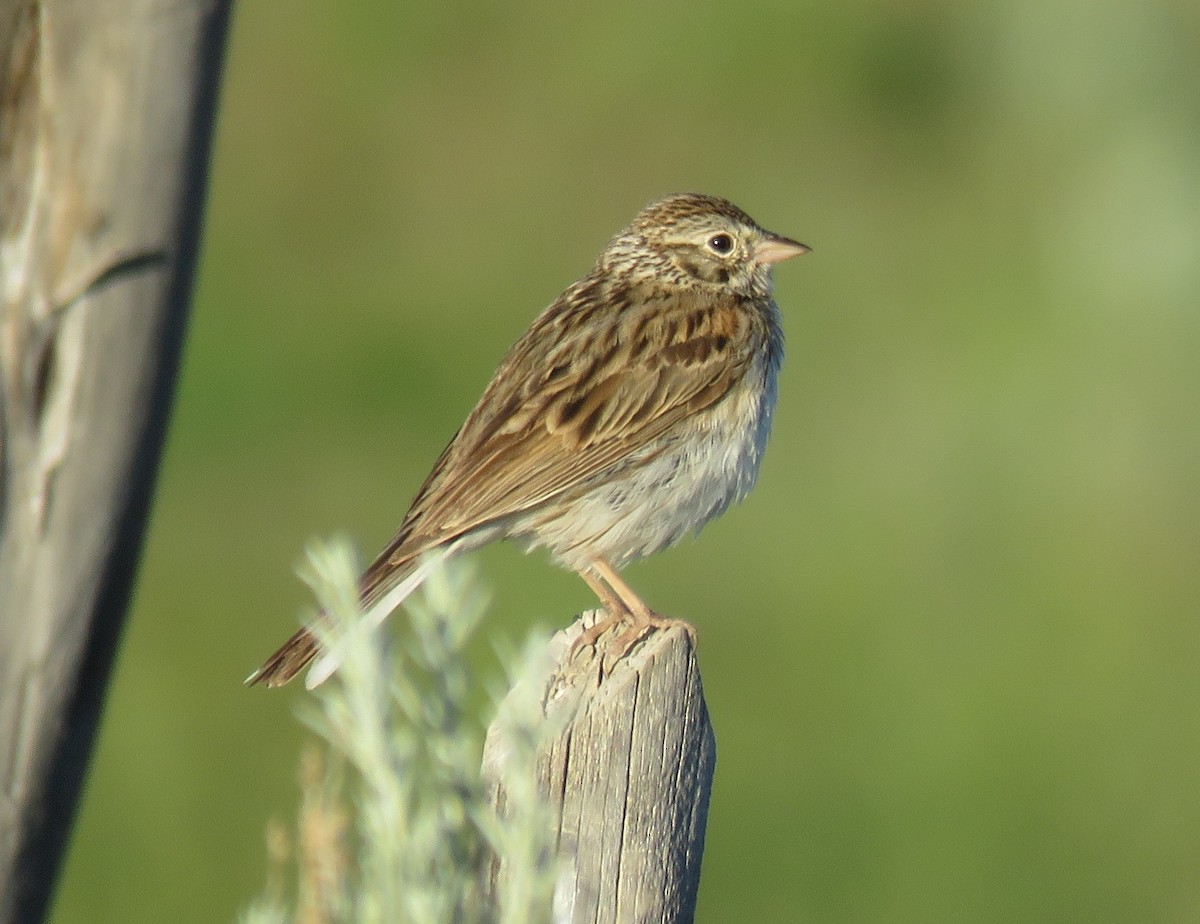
{"type": "Point", "coordinates": [629, 776]}
{"type": "Point", "coordinates": [106, 113]}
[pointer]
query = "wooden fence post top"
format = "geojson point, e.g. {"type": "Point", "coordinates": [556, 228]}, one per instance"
{"type": "Point", "coordinates": [629, 775]}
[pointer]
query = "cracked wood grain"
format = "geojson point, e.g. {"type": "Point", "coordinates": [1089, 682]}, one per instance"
{"type": "Point", "coordinates": [629, 775]}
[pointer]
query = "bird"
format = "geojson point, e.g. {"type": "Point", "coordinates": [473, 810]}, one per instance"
{"type": "Point", "coordinates": [634, 410]}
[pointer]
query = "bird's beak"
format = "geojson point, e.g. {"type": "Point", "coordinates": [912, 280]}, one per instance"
{"type": "Point", "coordinates": [772, 249]}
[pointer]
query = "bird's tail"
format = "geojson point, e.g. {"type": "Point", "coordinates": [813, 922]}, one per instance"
{"type": "Point", "coordinates": [294, 654]}
{"type": "Point", "coordinates": [288, 661]}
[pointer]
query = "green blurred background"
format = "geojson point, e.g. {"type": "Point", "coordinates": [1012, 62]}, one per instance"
{"type": "Point", "coordinates": [951, 644]}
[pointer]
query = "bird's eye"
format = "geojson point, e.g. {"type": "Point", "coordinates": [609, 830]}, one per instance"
{"type": "Point", "coordinates": [720, 243]}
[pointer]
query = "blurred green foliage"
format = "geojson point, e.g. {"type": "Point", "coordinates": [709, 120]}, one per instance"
{"type": "Point", "coordinates": [950, 644]}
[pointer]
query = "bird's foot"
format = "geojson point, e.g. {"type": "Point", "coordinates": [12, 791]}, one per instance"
{"type": "Point", "coordinates": [638, 626]}
{"type": "Point", "coordinates": [589, 636]}
{"type": "Point", "coordinates": [643, 624]}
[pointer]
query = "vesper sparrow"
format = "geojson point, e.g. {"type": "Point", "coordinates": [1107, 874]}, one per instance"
{"type": "Point", "coordinates": [634, 410]}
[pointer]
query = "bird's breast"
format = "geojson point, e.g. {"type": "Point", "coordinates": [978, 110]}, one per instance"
{"type": "Point", "coordinates": [673, 487]}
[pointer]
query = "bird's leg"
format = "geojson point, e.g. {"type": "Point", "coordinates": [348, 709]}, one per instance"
{"type": "Point", "coordinates": [643, 619]}
{"type": "Point", "coordinates": [614, 607]}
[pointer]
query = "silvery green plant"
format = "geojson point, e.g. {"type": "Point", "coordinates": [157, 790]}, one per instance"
{"type": "Point", "coordinates": [396, 823]}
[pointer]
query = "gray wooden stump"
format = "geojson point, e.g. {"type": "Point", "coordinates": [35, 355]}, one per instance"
{"type": "Point", "coordinates": [629, 776]}
{"type": "Point", "coordinates": [106, 112]}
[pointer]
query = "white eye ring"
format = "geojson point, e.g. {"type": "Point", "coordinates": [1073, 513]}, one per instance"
{"type": "Point", "coordinates": [720, 244]}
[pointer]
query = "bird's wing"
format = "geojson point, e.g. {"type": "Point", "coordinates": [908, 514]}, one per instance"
{"type": "Point", "coordinates": [580, 396]}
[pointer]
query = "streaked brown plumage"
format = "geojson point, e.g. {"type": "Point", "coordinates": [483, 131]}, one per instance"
{"type": "Point", "coordinates": [632, 411]}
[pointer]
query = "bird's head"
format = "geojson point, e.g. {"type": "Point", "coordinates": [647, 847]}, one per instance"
{"type": "Point", "coordinates": [695, 239]}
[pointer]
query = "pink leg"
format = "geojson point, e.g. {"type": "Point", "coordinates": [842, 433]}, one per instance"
{"type": "Point", "coordinates": [619, 597]}
{"type": "Point", "coordinates": [614, 605]}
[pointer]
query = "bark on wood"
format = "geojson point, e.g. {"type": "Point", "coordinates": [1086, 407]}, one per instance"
{"type": "Point", "coordinates": [629, 775]}
{"type": "Point", "coordinates": [106, 111]}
